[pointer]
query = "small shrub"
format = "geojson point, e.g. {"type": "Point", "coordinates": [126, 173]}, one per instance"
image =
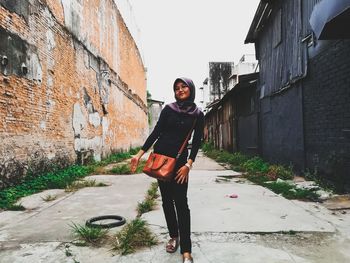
{"type": "Point", "coordinates": [290, 191]}
{"type": "Point", "coordinates": [213, 154]}
{"type": "Point", "coordinates": [237, 168]}
{"type": "Point", "coordinates": [258, 179]}
{"type": "Point", "coordinates": [224, 157]}
{"type": "Point", "coordinates": [134, 235]}
{"type": "Point", "coordinates": [321, 181]}
{"type": "Point", "coordinates": [207, 147]}
{"type": "Point", "coordinates": [279, 171]}
{"type": "Point", "coordinates": [256, 165]}
{"type": "Point", "coordinates": [237, 159]}
{"type": "Point", "coordinates": [311, 175]}
{"type": "Point", "coordinates": [55, 180]}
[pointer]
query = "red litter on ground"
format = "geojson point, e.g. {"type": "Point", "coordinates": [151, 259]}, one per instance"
{"type": "Point", "coordinates": [232, 195]}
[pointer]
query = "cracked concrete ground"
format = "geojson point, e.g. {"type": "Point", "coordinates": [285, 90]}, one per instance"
{"type": "Point", "coordinates": [258, 226]}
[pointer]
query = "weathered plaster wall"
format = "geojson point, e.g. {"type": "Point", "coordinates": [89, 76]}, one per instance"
{"type": "Point", "coordinates": [72, 82]}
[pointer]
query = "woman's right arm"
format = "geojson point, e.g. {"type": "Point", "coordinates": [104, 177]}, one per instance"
{"type": "Point", "coordinates": [150, 140]}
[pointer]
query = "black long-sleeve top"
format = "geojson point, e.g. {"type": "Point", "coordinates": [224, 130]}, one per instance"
{"type": "Point", "coordinates": [170, 132]}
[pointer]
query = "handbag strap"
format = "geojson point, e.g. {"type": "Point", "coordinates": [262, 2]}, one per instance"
{"type": "Point", "coordinates": [186, 140]}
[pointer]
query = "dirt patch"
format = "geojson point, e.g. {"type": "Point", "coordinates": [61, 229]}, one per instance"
{"type": "Point", "coordinates": [338, 202]}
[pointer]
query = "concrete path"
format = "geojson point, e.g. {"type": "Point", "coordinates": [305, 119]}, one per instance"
{"type": "Point", "coordinates": [243, 229]}
{"type": "Point", "coordinates": [256, 209]}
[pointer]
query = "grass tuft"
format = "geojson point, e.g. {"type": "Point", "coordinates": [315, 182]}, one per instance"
{"type": "Point", "coordinates": [56, 180]}
{"type": "Point", "coordinates": [49, 198]}
{"type": "Point", "coordinates": [286, 189]}
{"type": "Point", "coordinates": [125, 168]}
{"type": "Point", "coordinates": [256, 165]}
{"type": "Point", "coordinates": [75, 186]}
{"type": "Point", "coordinates": [134, 235]}
{"type": "Point", "coordinates": [150, 200]}
{"type": "Point", "coordinates": [14, 207]}
{"type": "Point", "coordinates": [262, 173]}
{"type": "Point", "coordinates": [147, 205]}
{"type": "Point", "coordinates": [290, 191]}
{"type": "Point", "coordinates": [121, 169]}
{"type": "Point", "coordinates": [88, 235]}
{"type": "Point", "coordinates": [153, 191]}
{"type": "Point", "coordinates": [279, 171]}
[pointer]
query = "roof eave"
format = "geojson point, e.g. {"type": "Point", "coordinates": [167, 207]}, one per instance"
{"type": "Point", "coordinates": [258, 20]}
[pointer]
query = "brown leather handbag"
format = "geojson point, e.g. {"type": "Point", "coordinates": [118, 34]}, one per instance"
{"type": "Point", "coordinates": [160, 166]}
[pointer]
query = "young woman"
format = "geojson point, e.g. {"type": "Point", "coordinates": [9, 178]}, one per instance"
{"type": "Point", "coordinates": [175, 122]}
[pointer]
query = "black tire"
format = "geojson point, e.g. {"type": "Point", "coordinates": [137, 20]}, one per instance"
{"type": "Point", "coordinates": [120, 221]}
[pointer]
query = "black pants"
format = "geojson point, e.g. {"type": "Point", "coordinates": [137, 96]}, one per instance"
{"type": "Point", "coordinates": [178, 220]}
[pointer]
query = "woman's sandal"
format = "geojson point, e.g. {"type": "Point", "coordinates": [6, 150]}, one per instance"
{"type": "Point", "coordinates": [188, 260]}
{"type": "Point", "coordinates": [172, 245]}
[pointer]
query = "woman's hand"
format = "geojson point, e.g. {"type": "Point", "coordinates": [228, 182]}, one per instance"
{"type": "Point", "coordinates": [134, 163]}
{"type": "Point", "coordinates": [182, 175]}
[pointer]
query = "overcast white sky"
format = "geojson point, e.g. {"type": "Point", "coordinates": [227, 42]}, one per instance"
{"type": "Point", "coordinates": [180, 37]}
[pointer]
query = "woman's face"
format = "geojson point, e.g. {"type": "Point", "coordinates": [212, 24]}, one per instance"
{"type": "Point", "coordinates": [182, 91]}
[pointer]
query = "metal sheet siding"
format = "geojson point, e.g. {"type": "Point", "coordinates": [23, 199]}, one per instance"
{"type": "Point", "coordinates": [282, 64]}
{"type": "Point", "coordinates": [307, 7]}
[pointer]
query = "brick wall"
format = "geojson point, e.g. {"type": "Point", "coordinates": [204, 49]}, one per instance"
{"type": "Point", "coordinates": [72, 82]}
{"type": "Point", "coordinates": [281, 121]}
{"type": "Point", "coordinates": [327, 111]}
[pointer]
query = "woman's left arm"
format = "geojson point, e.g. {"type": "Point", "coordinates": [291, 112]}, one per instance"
{"type": "Point", "coordinates": [197, 138]}
{"type": "Point", "coordinates": [182, 173]}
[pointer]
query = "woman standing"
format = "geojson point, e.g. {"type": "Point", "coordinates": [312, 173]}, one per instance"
{"type": "Point", "coordinates": [175, 122]}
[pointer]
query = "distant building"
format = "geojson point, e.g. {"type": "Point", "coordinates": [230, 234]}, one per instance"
{"type": "Point", "coordinates": [232, 122]}
{"type": "Point", "coordinates": [204, 95]}
{"type": "Point", "coordinates": [154, 109]}
{"type": "Point", "coordinates": [246, 65]}
{"type": "Point", "coordinates": [219, 74]}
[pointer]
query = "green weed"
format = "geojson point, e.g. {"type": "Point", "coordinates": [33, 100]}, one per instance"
{"type": "Point", "coordinates": [114, 158]}
{"type": "Point", "coordinates": [256, 165]}
{"type": "Point", "coordinates": [134, 151]}
{"type": "Point", "coordinates": [153, 191]}
{"type": "Point", "coordinates": [279, 171]}
{"type": "Point", "coordinates": [56, 180]}
{"type": "Point", "coordinates": [145, 206]}
{"type": "Point", "coordinates": [125, 168]}
{"type": "Point", "coordinates": [290, 191]}
{"type": "Point", "coordinates": [121, 169]}
{"type": "Point", "coordinates": [258, 179]}
{"type": "Point", "coordinates": [49, 198]}
{"type": "Point", "coordinates": [207, 147]}
{"type": "Point", "coordinates": [75, 186]}
{"type": "Point", "coordinates": [15, 207]}
{"type": "Point", "coordinates": [150, 200]}
{"type": "Point", "coordinates": [134, 235]}
{"type": "Point", "coordinates": [88, 235]}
